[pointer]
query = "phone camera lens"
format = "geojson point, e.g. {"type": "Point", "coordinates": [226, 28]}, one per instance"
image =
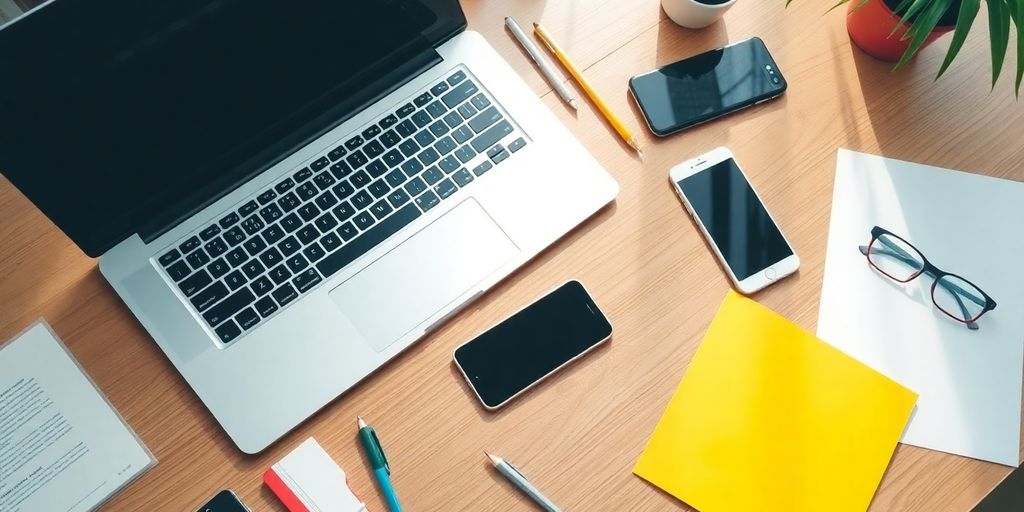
{"type": "Point", "coordinates": [768, 67]}
{"type": "Point", "coordinates": [775, 80]}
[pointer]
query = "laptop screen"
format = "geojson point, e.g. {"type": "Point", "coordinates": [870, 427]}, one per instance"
{"type": "Point", "coordinates": [115, 113]}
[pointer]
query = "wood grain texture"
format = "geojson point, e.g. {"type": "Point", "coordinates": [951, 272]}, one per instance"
{"type": "Point", "coordinates": [578, 435]}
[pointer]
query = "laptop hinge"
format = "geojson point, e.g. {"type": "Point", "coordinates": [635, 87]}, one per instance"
{"type": "Point", "coordinates": [317, 125]}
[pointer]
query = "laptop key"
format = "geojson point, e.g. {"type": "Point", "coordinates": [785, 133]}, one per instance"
{"type": "Point", "coordinates": [390, 138]}
{"type": "Point", "coordinates": [303, 175]}
{"type": "Point", "coordinates": [297, 263]}
{"type": "Point", "coordinates": [516, 145]}
{"type": "Point", "coordinates": [313, 252]}
{"type": "Point", "coordinates": [215, 247]}
{"type": "Point", "coordinates": [347, 231]}
{"type": "Point", "coordinates": [320, 164]}
{"type": "Point", "coordinates": [354, 142]}
{"type": "Point", "coordinates": [462, 134]}
{"type": "Point", "coordinates": [169, 257]}
{"type": "Point", "coordinates": [465, 153]}
{"type": "Point", "coordinates": [306, 280]}
{"type": "Point", "coordinates": [271, 257]}
{"type": "Point", "coordinates": [484, 120]}
{"type": "Point", "coordinates": [307, 234]}
{"type": "Point", "coordinates": [362, 200]}
{"type": "Point", "coordinates": [393, 158]}
{"type": "Point", "coordinates": [433, 175]}
{"type": "Point", "coordinates": [270, 213]}
{"type": "Point", "coordinates": [235, 280]}
{"type": "Point", "coordinates": [289, 202]}
{"type": "Point", "coordinates": [456, 77]}
{"type": "Point", "coordinates": [368, 240]}
{"type": "Point", "coordinates": [373, 149]}
{"type": "Point", "coordinates": [439, 88]}
{"type": "Point", "coordinates": [423, 99]}
{"type": "Point", "coordinates": [308, 212]}
{"type": "Point", "coordinates": [284, 186]}
{"type": "Point", "coordinates": [480, 101]}
{"type": "Point", "coordinates": [343, 189]}
{"type": "Point", "coordinates": [405, 110]}
{"type": "Point", "coordinates": [359, 179]}
{"type": "Point", "coordinates": [280, 274]}
{"type": "Point", "coordinates": [341, 169]}
{"type": "Point", "coordinates": [229, 220]}
{"type": "Point", "coordinates": [436, 109]}
{"type": "Point", "coordinates": [307, 191]}
{"type": "Point", "coordinates": [209, 296]}
{"type": "Point", "coordinates": [236, 257]}
{"type": "Point", "coordinates": [491, 136]}
{"type": "Point", "coordinates": [265, 307]}
{"type": "Point", "coordinates": [421, 118]}
{"type": "Point", "coordinates": [412, 167]}
{"type": "Point", "coordinates": [197, 258]}
{"type": "Point", "coordinates": [227, 332]}
{"type": "Point", "coordinates": [218, 268]}
{"type": "Point", "coordinates": [388, 121]}
{"type": "Point", "coordinates": [395, 178]}
{"type": "Point", "coordinates": [459, 93]}
{"type": "Point", "coordinates": [438, 129]}
{"type": "Point", "coordinates": [463, 177]}
{"type": "Point", "coordinates": [444, 145]}
{"type": "Point", "coordinates": [408, 147]}
{"type": "Point", "coordinates": [453, 120]}
{"type": "Point", "coordinates": [415, 186]}
{"type": "Point", "coordinates": [255, 245]}
{"type": "Point", "coordinates": [466, 110]}
{"type": "Point", "coordinates": [376, 168]}
{"type": "Point", "coordinates": [326, 200]}
{"type": "Point", "coordinates": [246, 209]}
{"type": "Point", "coordinates": [495, 150]}
{"type": "Point", "coordinates": [406, 128]}
{"type": "Point", "coordinates": [262, 286]}
{"type": "Point", "coordinates": [273, 233]}
{"type": "Point", "coordinates": [234, 236]}
{"type": "Point", "coordinates": [445, 188]}
{"type": "Point", "coordinates": [371, 132]}
{"type": "Point", "coordinates": [379, 189]}
{"type": "Point", "coordinates": [291, 222]}
{"type": "Point", "coordinates": [285, 294]}
{"type": "Point", "coordinates": [357, 159]}
{"type": "Point", "coordinates": [428, 156]}
{"type": "Point", "coordinates": [398, 198]}
{"type": "Point", "coordinates": [500, 157]}
{"type": "Point", "coordinates": [449, 164]}
{"type": "Point", "coordinates": [178, 271]}
{"type": "Point", "coordinates": [253, 268]}
{"type": "Point", "coordinates": [381, 209]}
{"type": "Point", "coordinates": [247, 318]}
{"type": "Point", "coordinates": [324, 180]}
{"type": "Point", "coordinates": [229, 306]}
{"type": "Point", "coordinates": [209, 232]}
{"type": "Point", "coordinates": [424, 138]}
{"type": "Point", "coordinates": [288, 246]}
{"type": "Point", "coordinates": [326, 222]}
{"type": "Point", "coordinates": [427, 200]}
{"type": "Point", "coordinates": [364, 220]}
{"type": "Point", "coordinates": [267, 196]}
{"type": "Point", "coordinates": [252, 225]}
{"type": "Point", "coordinates": [343, 211]}
{"type": "Point", "coordinates": [330, 241]}
{"type": "Point", "coordinates": [482, 168]}
{"type": "Point", "coordinates": [337, 153]}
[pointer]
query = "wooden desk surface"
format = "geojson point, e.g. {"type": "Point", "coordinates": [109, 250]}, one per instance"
{"type": "Point", "coordinates": [578, 435]}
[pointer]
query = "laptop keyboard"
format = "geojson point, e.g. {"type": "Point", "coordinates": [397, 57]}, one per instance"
{"type": "Point", "coordinates": [285, 240]}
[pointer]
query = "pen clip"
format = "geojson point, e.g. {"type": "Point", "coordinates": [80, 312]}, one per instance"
{"type": "Point", "coordinates": [380, 448]}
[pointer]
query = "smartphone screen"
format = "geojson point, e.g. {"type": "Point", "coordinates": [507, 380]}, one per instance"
{"type": "Point", "coordinates": [532, 343]}
{"type": "Point", "coordinates": [224, 501]}
{"type": "Point", "coordinates": [706, 86]}
{"type": "Point", "coordinates": [722, 199]}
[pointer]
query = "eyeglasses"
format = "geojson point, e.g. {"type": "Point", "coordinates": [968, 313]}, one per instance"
{"type": "Point", "coordinates": [900, 261]}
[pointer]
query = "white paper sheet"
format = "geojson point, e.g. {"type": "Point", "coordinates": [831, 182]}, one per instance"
{"type": "Point", "coordinates": [973, 226]}
{"type": "Point", "coordinates": [62, 446]}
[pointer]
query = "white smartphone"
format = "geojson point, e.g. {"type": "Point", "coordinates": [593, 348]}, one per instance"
{"type": "Point", "coordinates": [746, 239]}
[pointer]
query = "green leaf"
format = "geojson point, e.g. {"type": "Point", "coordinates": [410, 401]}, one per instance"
{"type": "Point", "coordinates": [1019, 21]}
{"type": "Point", "coordinates": [999, 33]}
{"type": "Point", "coordinates": [907, 9]}
{"type": "Point", "coordinates": [841, 2]}
{"type": "Point", "coordinates": [968, 11]}
{"type": "Point", "coordinates": [921, 28]}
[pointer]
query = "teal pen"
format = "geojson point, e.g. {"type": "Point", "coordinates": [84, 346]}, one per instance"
{"type": "Point", "coordinates": [379, 463]}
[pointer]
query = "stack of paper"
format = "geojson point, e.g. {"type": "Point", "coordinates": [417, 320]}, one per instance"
{"type": "Point", "coordinates": [768, 417]}
{"type": "Point", "coordinates": [969, 380]}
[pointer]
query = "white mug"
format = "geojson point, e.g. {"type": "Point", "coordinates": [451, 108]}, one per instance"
{"type": "Point", "coordinates": [694, 14]}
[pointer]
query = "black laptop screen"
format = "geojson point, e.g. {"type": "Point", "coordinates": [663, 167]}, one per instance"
{"type": "Point", "coordinates": [115, 112]}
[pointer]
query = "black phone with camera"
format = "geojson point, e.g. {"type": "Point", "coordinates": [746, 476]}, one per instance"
{"type": "Point", "coordinates": [707, 86]}
{"type": "Point", "coordinates": [224, 501]}
{"type": "Point", "coordinates": [532, 344]}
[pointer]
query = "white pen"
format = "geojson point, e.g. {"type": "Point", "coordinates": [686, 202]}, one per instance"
{"type": "Point", "coordinates": [510, 472]}
{"type": "Point", "coordinates": [542, 62]}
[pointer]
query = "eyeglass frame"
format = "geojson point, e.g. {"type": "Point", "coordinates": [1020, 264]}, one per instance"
{"type": "Point", "coordinates": [937, 274]}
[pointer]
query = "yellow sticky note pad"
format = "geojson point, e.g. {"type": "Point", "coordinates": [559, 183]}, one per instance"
{"type": "Point", "coordinates": [769, 417]}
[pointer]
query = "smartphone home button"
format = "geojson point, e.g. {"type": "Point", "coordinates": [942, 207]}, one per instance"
{"type": "Point", "coordinates": [770, 274]}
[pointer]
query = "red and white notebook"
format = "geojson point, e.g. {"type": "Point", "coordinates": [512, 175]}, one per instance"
{"type": "Point", "coordinates": [308, 480]}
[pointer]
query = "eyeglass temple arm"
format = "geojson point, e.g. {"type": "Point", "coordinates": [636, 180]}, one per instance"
{"type": "Point", "coordinates": [955, 291]}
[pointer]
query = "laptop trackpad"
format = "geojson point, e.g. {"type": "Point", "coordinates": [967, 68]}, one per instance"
{"type": "Point", "coordinates": [424, 274]}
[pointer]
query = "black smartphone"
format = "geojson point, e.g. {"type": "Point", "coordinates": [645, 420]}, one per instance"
{"type": "Point", "coordinates": [533, 343]}
{"type": "Point", "coordinates": [224, 501]}
{"type": "Point", "coordinates": [707, 86]}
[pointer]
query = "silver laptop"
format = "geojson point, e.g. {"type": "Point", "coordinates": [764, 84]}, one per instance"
{"type": "Point", "coordinates": [286, 196]}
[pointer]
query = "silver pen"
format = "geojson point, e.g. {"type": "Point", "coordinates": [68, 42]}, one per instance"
{"type": "Point", "coordinates": [510, 472]}
{"type": "Point", "coordinates": [542, 62]}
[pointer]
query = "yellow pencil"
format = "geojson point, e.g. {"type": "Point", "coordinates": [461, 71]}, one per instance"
{"type": "Point", "coordinates": [587, 88]}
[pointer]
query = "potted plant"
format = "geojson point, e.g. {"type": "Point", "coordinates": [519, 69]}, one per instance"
{"type": "Point", "coordinates": [895, 30]}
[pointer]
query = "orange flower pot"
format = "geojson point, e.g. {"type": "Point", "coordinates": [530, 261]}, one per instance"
{"type": "Point", "coordinates": [871, 24]}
